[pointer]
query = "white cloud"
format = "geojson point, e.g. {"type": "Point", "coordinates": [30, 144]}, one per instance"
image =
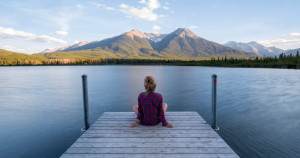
{"type": "Point", "coordinates": [103, 5]}
{"type": "Point", "coordinates": [98, 4]}
{"type": "Point", "coordinates": [153, 4]}
{"type": "Point", "coordinates": [156, 28]}
{"type": "Point", "coordinates": [110, 8]}
{"type": "Point", "coordinates": [167, 3]}
{"type": "Point", "coordinates": [81, 7]}
{"type": "Point", "coordinates": [11, 33]}
{"type": "Point", "coordinates": [12, 48]}
{"type": "Point", "coordinates": [61, 33]}
{"type": "Point", "coordinates": [166, 8]}
{"type": "Point", "coordinates": [280, 41]}
{"type": "Point", "coordinates": [193, 27]}
{"type": "Point", "coordinates": [142, 1]}
{"type": "Point", "coordinates": [144, 13]}
{"type": "Point", "coordinates": [294, 34]}
{"type": "Point", "coordinates": [124, 6]}
{"type": "Point", "coordinates": [289, 41]}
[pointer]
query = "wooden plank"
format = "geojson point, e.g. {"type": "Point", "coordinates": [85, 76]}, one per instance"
{"type": "Point", "coordinates": [155, 127]}
{"type": "Point", "coordinates": [150, 131]}
{"type": "Point", "coordinates": [121, 124]}
{"type": "Point", "coordinates": [134, 120]}
{"type": "Point", "coordinates": [167, 117]}
{"type": "Point", "coordinates": [149, 155]}
{"type": "Point", "coordinates": [156, 150]}
{"type": "Point", "coordinates": [185, 113]}
{"type": "Point", "coordinates": [148, 145]}
{"type": "Point", "coordinates": [152, 140]}
{"type": "Point", "coordinates": [155, 135]}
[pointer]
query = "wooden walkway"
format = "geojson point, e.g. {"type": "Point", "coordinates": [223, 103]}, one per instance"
{"type": "Point", "coordinates": [111, 136]}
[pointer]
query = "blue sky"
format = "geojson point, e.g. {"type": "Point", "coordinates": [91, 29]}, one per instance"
{"type": "Point", "coordinates": [31, 26]}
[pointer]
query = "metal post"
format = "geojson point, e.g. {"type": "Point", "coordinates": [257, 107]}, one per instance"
{"type": "Point", "coordinates": [85, 102]}
{"type": "Point", "coordinates": [214, 102]}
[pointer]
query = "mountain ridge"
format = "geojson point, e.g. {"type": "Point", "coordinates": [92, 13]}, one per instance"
{"type": "Point", "coordinates": [255, 47]}
{"type": "Point", "coordinates": [181, 43]}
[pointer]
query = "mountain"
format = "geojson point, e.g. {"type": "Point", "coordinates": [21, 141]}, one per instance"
{"type": "Point", "coordinates": [66, 48]}
{"type": "Point", "coordinates": [184, 43]}
{"type": "Point", "coordinates": [181, 43]}
{"type": "Point", "coordinates": [291, 51]}
{"type": "Point", "coordinates": [255, 47]}
{"type": "Point", "coordinates": [12, 58]}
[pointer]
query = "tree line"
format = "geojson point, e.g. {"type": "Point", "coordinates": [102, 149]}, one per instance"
{"type": "Point", "coordinates": [283, 61]}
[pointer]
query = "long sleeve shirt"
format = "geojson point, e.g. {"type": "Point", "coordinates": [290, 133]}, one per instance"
{"type": "Point", "coordinates": [150, 111]}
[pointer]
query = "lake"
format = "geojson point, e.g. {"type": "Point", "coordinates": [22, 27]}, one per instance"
{"type": "Point", "coordinates": [41, 107]}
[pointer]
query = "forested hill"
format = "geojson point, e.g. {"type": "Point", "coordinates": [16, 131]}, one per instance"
{"type": "Point", "coordinates": [12, 58]}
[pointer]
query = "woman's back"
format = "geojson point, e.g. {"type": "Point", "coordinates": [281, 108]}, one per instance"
{"type": "Point", "coordinates": [150, 110]}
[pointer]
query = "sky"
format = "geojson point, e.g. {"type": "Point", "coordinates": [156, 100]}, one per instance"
{"type": "Point", "coordinates": [31, 26]}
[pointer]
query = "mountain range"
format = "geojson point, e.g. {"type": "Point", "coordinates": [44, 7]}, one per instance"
{"type": "Point", "coordinates": [292, 51]}
{"type": "Point", "coordinates": [181, 43]}
{"type": "Point", "coordinates": [255, 48]}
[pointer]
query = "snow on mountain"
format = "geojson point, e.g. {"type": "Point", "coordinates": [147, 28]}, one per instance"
{"type": "Point", "coordinates": [291, 51]}
{"type": "Point", "coordinates": [255, 48]}
{"type": "Point", "coordinates": [155, 37]}
{"type": "Point", "coordinates": [65, 48]}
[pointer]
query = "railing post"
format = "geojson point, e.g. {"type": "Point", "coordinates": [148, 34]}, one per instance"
{"type": "Point", "coordinates": [85, 102]}
{"type": "Point", "coordinates": [214, 102]}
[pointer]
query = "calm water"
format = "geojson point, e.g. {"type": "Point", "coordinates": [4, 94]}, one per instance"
{"type": "Point", "coordinates": [41, 111]}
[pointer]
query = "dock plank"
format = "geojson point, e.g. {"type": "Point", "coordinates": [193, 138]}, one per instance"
{"type": "Point", "coordinates": [111, 136]}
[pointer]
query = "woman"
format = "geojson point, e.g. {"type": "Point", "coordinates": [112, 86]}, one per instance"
{"type": "Point", "coordinates": [150, 109]}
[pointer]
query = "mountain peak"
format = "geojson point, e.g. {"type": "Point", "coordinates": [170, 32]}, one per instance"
{"type": "Point", "coordinates": [135, 32]}
{"type": "Point", "coordinates": [183, 32]}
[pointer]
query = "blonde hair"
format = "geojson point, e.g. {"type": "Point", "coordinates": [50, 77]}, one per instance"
{"type": "Point", "coordinates": [149, 84]}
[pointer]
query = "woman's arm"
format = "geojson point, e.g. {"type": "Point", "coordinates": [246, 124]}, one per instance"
{"type": "Point", "coordinates": [161, 112]}
{"type": "Point", "coordinates": [140, 114]}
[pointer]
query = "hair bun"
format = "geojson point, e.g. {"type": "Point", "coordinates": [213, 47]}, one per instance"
{"type": "Point", "coordinates": [149, 84]}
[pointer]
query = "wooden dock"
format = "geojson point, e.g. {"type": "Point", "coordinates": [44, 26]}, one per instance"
{"type": "Point", "coordinates": [111, 136]}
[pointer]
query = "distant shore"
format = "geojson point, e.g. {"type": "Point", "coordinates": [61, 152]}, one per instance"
{"type": "Point", "coordinates": [285, 62]}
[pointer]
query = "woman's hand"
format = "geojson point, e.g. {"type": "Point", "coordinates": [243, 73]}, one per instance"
{"type": "Point", "coordinates": [134, 124]}
{"type": "Point", "coordinates": [169, 125]}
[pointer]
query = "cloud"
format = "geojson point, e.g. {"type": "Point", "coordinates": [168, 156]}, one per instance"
{"type": "Point", "coordinates": [142, 1]}
{"type": "Point", "coordinates": [61, 33]}
{"type": "Point", "coordinates": [11, 33]}
{"type": "Point", "coordinates": [280, 42]}
{"type": "Point", "coordinates": [81, 7]}
{"type": "Point", "coordinates": [166, 8]}
{"type": "Point", "coordinates": [294, 34]}
{"type": "Point", "coordinates": [193, 27]}
{"type": "Point", "coordinates": [124, 6]}
{"type": "Point", "coordinates": [103, 5]}
{"type": "Point", "coordinates": [98, 4]}
{"type": "Point", "coordinates": [167, 3]}
{"type": "Point", "coordinates": [289, 41]}
{"type": "Point", "coordinates": [110, 8]}
{"type": "Point", "coordinates": [144, 13]}
{"type": "Point", "coordinates": [156, 28]}
{"type": "Point", "coordinates": [153, 4]}
{"type": "Point", "coordinates": [12, 48]}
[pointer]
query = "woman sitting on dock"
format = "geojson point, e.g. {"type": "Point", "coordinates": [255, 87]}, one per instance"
{"type": "Point", "coordinates": [150, 109]}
